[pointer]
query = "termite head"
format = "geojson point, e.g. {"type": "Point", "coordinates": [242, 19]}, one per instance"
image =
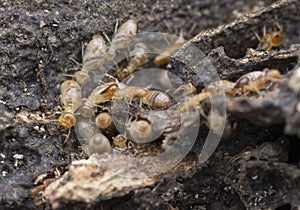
{"type": "Point", "coordinates": [111, 89]}
{"type": "Point", "coordinates": [81, 77]}
{"type": "Point", "coordinates": [140, 92]}
{"type": "Point", "coordinates": [140, 131]}
{"type": "Point", "coordinates": [103, 120]}
{"type": "Point", "coordinates": [129, 27]}
{"type": "Point", "coordinates": [121, 38]}
{"type": "Point", "coordinates": [95, 47]}
{"type": "Point", "coordinates": [272, 74]}
{"type": "Point", "coordinates": [277, 36]}
{"type": "Point", "coordinates": [120, 141]}
{"type": "Point", "coordinates": [66, 120]}
{"type": "Point", "coordinates": [122, 73]}
{"type": "Point", "coordinates": [98, 143]}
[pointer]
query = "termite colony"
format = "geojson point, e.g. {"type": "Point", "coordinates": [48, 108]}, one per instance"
{"type": "Point", "coordinates": [92, 114]}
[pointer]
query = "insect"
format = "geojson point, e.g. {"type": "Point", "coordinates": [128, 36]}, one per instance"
{"type": "Point", "coordinates": [130, 92]}
{"type": "Point", "coordinates": [122, 38]}
{"type": "Point", "coordinates": [157, 99]}
{"type": "Point", "coordinates": [164, 57]}
{"type": "Point", "coordinates": [140, 131]}
{"type": "Point", "coordinates": [103, 120]}
{"type": "Point", "coordinates": [256, 80]}
{"type": "Point", "coordinates": [221, 85]}
{"type": "Point", "coordinates": [193, 101]}
{"type": "Point", "coordinates": [186, 89]}
{"type": "Point", "coordinates": [152, 98]}
{"type": "Point", "coordinates": [93, 58]}
{"type": "Point", "coordinates": [272, 39]}
{"type": "Point", "coordinates": [71, 96]}
{"type": "Point", "coordinates": [98, 143]}
{"type": "Point", "coordinates": [139, 58]}
{"type": "Point", "coordinates": [100, 94]}
{"type": "Point", "coordinates": [271, 151]}
{"type": "Point", "coordinates": [120, 141]}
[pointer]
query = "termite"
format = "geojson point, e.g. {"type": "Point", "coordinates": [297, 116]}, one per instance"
{"type": "Point", "coordinates": [100, 94]}
{"type": "Point", "coordinates": [140, 131]}
{"type": "Point", "coordinates": [71, 96]}
{"type": "Point", "coordinates": [139, 58]}
{"type": "Point", "coordinates": [93, 58]}
{"type": "Point", "coordinates": [157, 99]}
{"type": "Point", "coordinates": [272, 39]}
{"type": "Point", "coordinates": [120, 141]}
{"type": "Point", "coordinates": [152, 98]}
{"type": "Point", "coordinates": [122, 38]}
{"type": "Point", "coordinates": [98, 143]}
{"type": "Point", "coordinates": [103, 120]}
{"type": "Point", "coordinates": [105, 123]}
{"type": "Point", "coordinates": [164, 57]}
{"type": "Point", "coordinates": [256, 80]}
{"type": "Point", "coordinates": [271, 151]}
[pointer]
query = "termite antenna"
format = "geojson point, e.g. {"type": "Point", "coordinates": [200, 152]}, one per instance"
{"type": "Point", "coordinates": [75, 61]}
{"type": "Point", "coordinates": [279, 26]}
{"type": "Point", "coordinates": [264, 30]}
{"type": "Point", "coordinates": [258, 37]}
{"type": "Point", "coordinates": [167, 25]}
{"type": "Point", "coordinates": [82, 50]}
{"type": "Point", "coordinates": [59, 111]}
{"type": "Point", "coordinates": [106, 37]}
{"type": "Point", "coordinates": [67, 75]}
{"type": "Point", "coordinates": [181, 33]}
{"type": "Point", "coordinates": [111, 77]}
{"type": "Point", "coordinates": [116, 64]}
{"type": "Point", "coordinates": [192, 29]}
{"type": "Point", "coordinates": [235, 158]}
{"type": "Point", "coordinates": [116, 26]}
{"type": "Point", "coordinates": [130, 78]}
{"type": "Point", "coordinates": [53, 120]}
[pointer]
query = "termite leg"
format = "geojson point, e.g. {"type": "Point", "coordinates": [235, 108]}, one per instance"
{"type": "Point", "coordinates": [258, 37]}
{"type": "Point", "coordinates": [264, 31]}
{"type": "Point", "coordinates": [106, 37]}
{"type": "Point", "coordinates": [116, 26]}
{"type": "Point", "coordinates": [67, 136]}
